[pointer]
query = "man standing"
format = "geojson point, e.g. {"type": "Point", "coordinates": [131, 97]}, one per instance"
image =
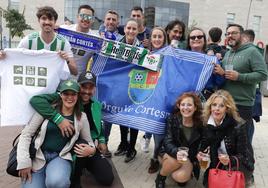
{"type": "Point", "coordinates": [244, 69]}
{"type": "Point", "coordinates": [48, 39]}
{"type": "Point", "coordinates": [97, 164]}
{"type": "Point", "coordinates": [111, 22]}
{"type": "Point", "coordinates": [85, 19]}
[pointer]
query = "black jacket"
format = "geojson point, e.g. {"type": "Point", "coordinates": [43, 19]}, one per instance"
{"type": "Point", "coordinates": [236, 143]}
{"type": "Point", "coordinates": [175, 138]}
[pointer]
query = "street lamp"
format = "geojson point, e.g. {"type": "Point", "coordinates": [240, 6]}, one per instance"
{"type": "Point", "coordinates": [249, 8]}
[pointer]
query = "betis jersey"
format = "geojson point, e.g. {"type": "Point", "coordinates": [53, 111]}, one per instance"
{"type": "Point", "coordinates": [34, 41]}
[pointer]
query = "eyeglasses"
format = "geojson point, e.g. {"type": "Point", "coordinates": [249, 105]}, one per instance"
{"type": "Point", "coordinates": [86, 17]}
{"type": "Point", "coordinates": [231, 33]}
{"type": "Point", "coordinates": [198, 37]}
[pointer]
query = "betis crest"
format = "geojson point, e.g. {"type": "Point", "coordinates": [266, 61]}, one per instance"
{"type": "Point", "coordinates": [141, 85]}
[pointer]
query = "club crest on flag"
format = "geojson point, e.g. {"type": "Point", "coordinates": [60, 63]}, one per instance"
{"type": "Point", "coordinates": [142, 84]}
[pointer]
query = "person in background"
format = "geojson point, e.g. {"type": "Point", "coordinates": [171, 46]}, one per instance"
{"type": "Point", "coordinates": [176, 34]}
{"type": "Point", "coordinates": [214, 47]}
{"type": "Point", "coordinates": [248, 36]}
{"type": "Point", "coordinates": [183, 130]}
{"type": "Point", "coordinates": [125, 147]}
{"type": "Point", "coordinates": [98, 165]}
{"type": "Point", "coordinates": [52, 165]}
{"type": "Point", "coordinates": [225, 133]}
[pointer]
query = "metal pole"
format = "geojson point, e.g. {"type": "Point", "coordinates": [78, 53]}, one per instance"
{"type": "Point", "coordinates": [249, 8]}
{"type": "Point", "coordinates": [1, 29]}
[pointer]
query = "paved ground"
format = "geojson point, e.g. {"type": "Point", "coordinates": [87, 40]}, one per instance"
{"type": "Point", "coordinates": [134, 174]}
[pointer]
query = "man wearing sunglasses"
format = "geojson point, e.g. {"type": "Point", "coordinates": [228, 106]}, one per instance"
{"type": "Point", "coordinates": [85, 19]}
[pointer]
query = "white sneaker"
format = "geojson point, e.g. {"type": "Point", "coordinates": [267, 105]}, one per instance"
{"type": "Point", "coordinates": [145, 142]}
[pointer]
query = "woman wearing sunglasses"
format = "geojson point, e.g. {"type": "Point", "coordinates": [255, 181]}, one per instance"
{"type": "Point", "coordinates": [197, 42]}
{"type": "Point", "coordinates": [52, 164]}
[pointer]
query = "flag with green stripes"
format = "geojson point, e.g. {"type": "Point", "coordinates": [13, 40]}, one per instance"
{"type": "Point", "coordinates": [132, 54]}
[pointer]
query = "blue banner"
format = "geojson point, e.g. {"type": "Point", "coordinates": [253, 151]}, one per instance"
{"type": "Point", "coordinates": [142, 99]}
{"type": "Point", "coordinates": [81, 40]}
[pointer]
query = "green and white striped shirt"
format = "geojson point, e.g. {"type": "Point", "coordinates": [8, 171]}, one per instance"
{"type": "Point", "coordinates": [34, 41]}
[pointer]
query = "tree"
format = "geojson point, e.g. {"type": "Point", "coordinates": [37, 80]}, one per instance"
{"type": "Point", "coordinates": [16, 23]}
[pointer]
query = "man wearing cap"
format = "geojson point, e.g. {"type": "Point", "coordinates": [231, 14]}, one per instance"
{"type": "Point", "coordinates": [97, 165]}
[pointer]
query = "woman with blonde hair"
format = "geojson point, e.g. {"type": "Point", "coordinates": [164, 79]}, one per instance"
{"type": "Point", "coordinates": [225, 134]}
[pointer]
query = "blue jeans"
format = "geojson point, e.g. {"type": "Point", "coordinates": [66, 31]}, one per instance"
{"type": "Point", "coordinates": [158, 142]}
{"type": "Point", "coordinates": [55, 173]}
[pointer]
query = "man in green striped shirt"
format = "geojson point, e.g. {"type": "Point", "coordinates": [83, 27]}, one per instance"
{"type": "Point", "coordinates": [48, 39]}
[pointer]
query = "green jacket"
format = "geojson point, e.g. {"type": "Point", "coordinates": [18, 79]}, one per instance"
{"type": "Point", "coordinates": [42, 104]}
{"type": "Point", "coordinates": [251, 67]}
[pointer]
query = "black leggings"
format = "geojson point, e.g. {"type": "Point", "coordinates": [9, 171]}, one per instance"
{"type": "Point", "coordinates": [133, 137]}
{"type": "Point", "coordinates": [97, 165]}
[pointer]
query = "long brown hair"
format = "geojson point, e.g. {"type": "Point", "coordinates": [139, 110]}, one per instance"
{"type": "Point", "coordinates": [197, 116]}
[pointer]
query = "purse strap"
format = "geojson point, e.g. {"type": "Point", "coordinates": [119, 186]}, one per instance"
{"type": "Point", "coordinates": [237, 162]}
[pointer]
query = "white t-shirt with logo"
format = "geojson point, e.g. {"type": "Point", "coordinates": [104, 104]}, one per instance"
{"type": "Point", "coordinates": [25, 73]}
{"type": "Point", "coordinates": [81, 57]}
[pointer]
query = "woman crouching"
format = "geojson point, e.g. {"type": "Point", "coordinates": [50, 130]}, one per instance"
{"type": "Point", "coordinates": [226, 135]}
{"type": "Point", "coordinates": [182, 141]}
{"type": "Point", "coordinates": [52, 164]}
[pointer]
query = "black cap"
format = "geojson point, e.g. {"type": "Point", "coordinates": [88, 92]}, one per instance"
{"type": "Point", "coordinates": [87, 77]}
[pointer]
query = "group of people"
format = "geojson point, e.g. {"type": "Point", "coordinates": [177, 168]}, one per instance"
{"type": "Point", "coordinates": [71, 128]}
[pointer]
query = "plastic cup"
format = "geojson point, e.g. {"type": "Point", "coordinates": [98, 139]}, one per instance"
{"type": "Point", "coordinates": [229, 67]}
{"type": "Point", "coordinates": [182, 154]}
{"type": "Point", "coordinates": [204, 161]}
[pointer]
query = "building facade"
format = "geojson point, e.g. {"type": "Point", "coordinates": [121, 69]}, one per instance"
{"type": "Point", "coordinates": [205, 14]}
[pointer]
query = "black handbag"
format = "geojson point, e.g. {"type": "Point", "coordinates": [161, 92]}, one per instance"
{"type": "Point", "coordinates": [12, 159]}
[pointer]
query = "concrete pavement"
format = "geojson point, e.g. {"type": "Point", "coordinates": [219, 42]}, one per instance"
{"type": "Point", "coordinates": [134, 174]}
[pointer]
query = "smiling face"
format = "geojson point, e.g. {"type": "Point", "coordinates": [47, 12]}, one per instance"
{"type": "Point", "coordinates": [187, 107]}
{"type": "Point", "coordinates": [87, 90]}
{"type": "Point", "coordinates": [111, 22]}
{"type": "Point", "coordinates": [157, 39]}
{"type": "Point", "coordinates": [197, 40]}
{"type": "Point", "coordinates": [69, 99]}
{"type": "Point", "coordinates": [131, 31]}
{"type": "Point", "coordinates": [85, 19]}
{"type": "Point", "coordinates": [47, 25]}
{"type": "Point", "coordinates": [175, 33]}
{"type": "Point", "coordinates": [233, 37]}
{"type": "Point", "coordinates": [218, 110]}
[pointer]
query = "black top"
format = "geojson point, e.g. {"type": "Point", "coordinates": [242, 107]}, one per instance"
{"type": "Point", "coordinates": [87, 110]}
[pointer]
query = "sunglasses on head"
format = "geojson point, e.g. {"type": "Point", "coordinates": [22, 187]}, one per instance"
{"type": "Point", "coordinates": [198, 37]}
{"type": "Point", "coordinates": [86, 17]}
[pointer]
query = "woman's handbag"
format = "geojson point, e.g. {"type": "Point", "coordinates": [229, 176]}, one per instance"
{"type": "Point", "coordinates": [12, 159]}
{"type": "Point", "coordinates": [218, 178]}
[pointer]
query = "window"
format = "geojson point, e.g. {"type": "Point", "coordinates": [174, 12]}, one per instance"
{"type": "Point", "coordinates": [230, 18]}
{"type": "Point", "coordinates": [256, 25]}
{"type": "Point", "coordinates": [14, 4]}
